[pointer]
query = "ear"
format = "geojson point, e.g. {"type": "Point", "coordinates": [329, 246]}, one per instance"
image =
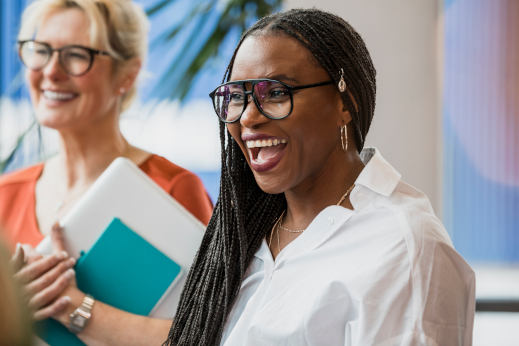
{"type": "Point", "coordinates": [343, 114]}
{"type": "Point", "coordinates": [128, 75]}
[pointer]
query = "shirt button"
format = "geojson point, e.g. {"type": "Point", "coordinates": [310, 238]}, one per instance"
{"type": "Point", "coordinates": [331, 220]}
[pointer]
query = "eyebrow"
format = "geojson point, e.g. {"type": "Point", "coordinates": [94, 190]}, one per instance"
{"type": "Point", "coordinates": [282, 77]}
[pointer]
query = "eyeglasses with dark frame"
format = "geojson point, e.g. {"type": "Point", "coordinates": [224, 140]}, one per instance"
{"type": "Point", "coordinates": [274, 99]}
{"type": "Point", "coordinates": [76, 60]}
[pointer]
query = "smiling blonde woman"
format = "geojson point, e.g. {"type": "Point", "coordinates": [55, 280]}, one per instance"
{"type": "Point", "coordinates": [83, 58]}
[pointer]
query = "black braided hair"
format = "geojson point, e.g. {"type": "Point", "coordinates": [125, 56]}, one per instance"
{"type": "Point", "coordinates": [244, 214]}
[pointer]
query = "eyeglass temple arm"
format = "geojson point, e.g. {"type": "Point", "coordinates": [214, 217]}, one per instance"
{"type": "Point", "coordinates": [311, 85]}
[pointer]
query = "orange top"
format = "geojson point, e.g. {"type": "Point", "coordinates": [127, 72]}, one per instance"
{"type": "Point", "coordinates": [18, 202]}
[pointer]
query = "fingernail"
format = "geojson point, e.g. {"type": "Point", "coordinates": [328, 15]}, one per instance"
{"type": "Point", "coordinates": [18, 246]}
{"type": "Point", "coordinates": [62, 255]}
{"type": "Point", "coordinates": [71, 261]}
{"type": "Point", "coordinates": [70, 273]}
{"type": "Point", "coordinates": [65, 299]}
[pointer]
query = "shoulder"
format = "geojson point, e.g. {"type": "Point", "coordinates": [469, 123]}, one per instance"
{"type": "Point", "coordinates": [164, 172]}
{"type": "Point", "coordinates": [387, 207]}
{"type": "Point", "coordinates": [404, 225]}
{"type": "Point", "coordinates": [434, 264]}
{"type": "Point", "coordinates": [180, 183]}
{"type": "Point", "coordinates": [381, 194]}
{"type": "Point", "coordinates": [409, 251]}
{"type": "Point", "coordinates": [17, 179]}
{"type": "Point", "coordinates": [404, 212]}
{"type": "Point", "coordinates": [16, 193]}
{"type": "Point", "coordinates": [416, 214]}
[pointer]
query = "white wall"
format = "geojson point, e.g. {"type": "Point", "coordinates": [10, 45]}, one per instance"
{"type": "Point", "coordinates": [402, 38]}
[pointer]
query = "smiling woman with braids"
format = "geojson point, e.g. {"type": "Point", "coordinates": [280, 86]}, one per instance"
{"type": "Point", "coordinates": [315, 240]}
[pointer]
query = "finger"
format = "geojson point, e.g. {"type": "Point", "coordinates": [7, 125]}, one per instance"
{"type": "Point", "coordinates": [34, 270]}
{"type": "Point", "coordinates": [49, 277]}
{"type": "Point", "coordinates": [47, 295]}
{"type": "Point", "coordinates": [56, 235]}
{"type": "Point", "coordinates": [18, 259]}
{"type": "Point", "coordinates": [31, 255]}
{"type": "Point", "coordinates": [51, 310]}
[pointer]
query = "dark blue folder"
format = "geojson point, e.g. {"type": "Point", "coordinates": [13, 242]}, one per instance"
{"type": "Point", "coordinates": [121, 269]}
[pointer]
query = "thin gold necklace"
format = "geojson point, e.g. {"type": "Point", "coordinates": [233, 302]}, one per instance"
{"type": "Point", "coordinates": [281, 217]}
{"type": "Point", "coordinates": [278, 224]}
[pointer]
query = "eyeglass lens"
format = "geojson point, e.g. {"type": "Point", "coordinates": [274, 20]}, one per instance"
{"type": "Point", "coordinates": [74, 60]}
{"type": "Point", "coordinates": [272, 98]}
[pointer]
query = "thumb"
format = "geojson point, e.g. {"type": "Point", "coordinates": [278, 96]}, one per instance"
{"type": "Point", "coordinates": [57, 238]}
{"type": "Point", "coordinates": [18, 259]}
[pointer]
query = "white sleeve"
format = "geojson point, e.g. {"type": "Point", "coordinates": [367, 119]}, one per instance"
{"type": "Point", "coordinates": [422, 293]}
{"type": "Point", "coordinates": [443, 294]}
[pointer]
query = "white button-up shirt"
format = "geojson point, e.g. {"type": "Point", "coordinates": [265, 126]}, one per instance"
{"type": "Point", "coordinates": [385, 273]}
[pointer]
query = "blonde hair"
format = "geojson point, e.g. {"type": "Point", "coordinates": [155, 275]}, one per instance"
{"type": "Point", "coordinates": [118, 26]}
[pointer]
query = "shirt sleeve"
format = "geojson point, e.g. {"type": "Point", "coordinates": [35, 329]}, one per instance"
{"type": "Point", "coordinates": [421, 292]}
{"type": "Point", "coordinates": [443, 294]}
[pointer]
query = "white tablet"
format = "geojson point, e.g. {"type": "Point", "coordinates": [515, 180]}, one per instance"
{"type": "Point", "coordinates": [126, 192]}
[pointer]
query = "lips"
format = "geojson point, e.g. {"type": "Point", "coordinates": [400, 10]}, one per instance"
{"type": "Point", "coordinates": [265, 152]}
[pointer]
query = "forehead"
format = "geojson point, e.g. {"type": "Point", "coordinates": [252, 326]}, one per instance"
{"type": "Point", "coordinates": [66, 26]}
{"type": "Point", "coordinates": [277, 57]}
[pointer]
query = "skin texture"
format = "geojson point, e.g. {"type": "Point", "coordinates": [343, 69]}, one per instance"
{"type": "Point", "coordinates": [314, 171]}
{"type": "Point", "coordinates": [88, 127]}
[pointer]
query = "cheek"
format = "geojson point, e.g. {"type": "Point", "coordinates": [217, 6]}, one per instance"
{"type": "Point", "coordinates": [235, 131]}
{"type": "Point", "coordinates": [88, 83]}
{"type": "Point", "coordinates": [33, 80]}
{"type": "Point", "coordinates": [315, 133]}
{"type": "Point", "coordinates": [95, 91]}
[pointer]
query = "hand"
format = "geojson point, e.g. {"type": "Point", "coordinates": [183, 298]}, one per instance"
{"type": "Point", "coordinates": [45, 278]}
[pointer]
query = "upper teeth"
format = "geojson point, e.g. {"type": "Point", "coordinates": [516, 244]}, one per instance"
{"type": "Point", "coordinates": [57, 95]}
{"type": "Point", "coordinates": [260, 143]}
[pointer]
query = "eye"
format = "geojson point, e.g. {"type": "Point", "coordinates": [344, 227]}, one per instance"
{"type": "Point", "coordinates": [236, 97]}
{"type": "Point", "coordinates": [279, 93]}
{"type": "Point", "coordinates": [76, 54]}
{"type": "Point", "coordinates": [271, 91]}
{"type": "Point", "coordinates": [40, 51]}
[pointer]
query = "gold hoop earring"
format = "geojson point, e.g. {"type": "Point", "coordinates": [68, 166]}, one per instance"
{"type": "Point", "coordinates": [344, 137]}
{"type": "Point", "coordinates": [342, 84]}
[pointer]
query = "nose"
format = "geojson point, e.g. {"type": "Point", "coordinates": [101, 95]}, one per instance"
{"type": "Point", "coordinates": [53, 69]}
{"type": "Point", "coordinates": [252, 116]}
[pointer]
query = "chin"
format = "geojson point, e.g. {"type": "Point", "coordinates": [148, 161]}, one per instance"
{"type": "Point", "coordinates": [47, 119]}
{"type": "Point", "coordinates": [271, 186]}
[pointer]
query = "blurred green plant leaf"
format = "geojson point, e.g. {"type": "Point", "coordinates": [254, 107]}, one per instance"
{"type": "Point", "coordinates": [17, 146]}
{"type": "Point", "coordinates": [234, 17]}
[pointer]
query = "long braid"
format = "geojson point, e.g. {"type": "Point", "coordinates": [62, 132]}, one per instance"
{"type": "Point", "coordinates": [244, 214]}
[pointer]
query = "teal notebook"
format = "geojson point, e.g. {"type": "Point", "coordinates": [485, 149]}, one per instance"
{"type": "Point", "coordinates": [121, 269]}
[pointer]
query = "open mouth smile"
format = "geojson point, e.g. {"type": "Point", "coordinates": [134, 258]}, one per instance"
{"type": "Point", "coordinates": [266, 153]}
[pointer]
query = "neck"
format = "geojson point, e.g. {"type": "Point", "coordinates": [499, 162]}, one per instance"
{"type": "Point", "coordinates": [307, 200]}
{"type": "Point", "coordinates": [83, 158]}
{"type": "Point", "coordinates": [87, 150]}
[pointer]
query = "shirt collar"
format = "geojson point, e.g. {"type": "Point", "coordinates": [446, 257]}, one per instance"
{"type": "Point", "coordinates": [378, 175]}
